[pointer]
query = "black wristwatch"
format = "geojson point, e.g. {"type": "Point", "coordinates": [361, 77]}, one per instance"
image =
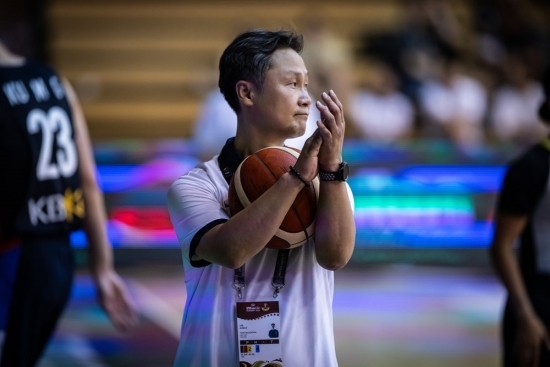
{"type": "Point", "coordinates": [340, 175]}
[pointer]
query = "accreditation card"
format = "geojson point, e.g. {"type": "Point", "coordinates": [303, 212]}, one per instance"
{"type": "Point", "coordinates": [258, 330]}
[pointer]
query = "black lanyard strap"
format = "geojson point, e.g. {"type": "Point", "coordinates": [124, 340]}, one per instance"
{"type": "Point", "coordinates": [278, 281]}
{"type": "Point", "coordinates": [229, 160]}
{"type": "Point", "coordinates": [238, 281]}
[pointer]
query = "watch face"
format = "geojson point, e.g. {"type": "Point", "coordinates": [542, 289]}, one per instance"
{"type": "Point", "coordinates": [344, 169]}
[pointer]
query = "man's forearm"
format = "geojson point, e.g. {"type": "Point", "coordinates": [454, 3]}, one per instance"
{"type": "Point", "coordinates": [335, 226]}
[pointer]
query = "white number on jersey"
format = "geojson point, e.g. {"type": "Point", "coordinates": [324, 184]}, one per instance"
{"type": "Point", "coordinates": [54, 125]}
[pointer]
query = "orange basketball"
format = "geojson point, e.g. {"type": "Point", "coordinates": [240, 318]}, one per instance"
{"type": "Point", "coordinates": [256, 174]}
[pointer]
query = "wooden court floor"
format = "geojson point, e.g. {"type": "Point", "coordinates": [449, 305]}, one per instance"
{"type": "Point", "coordinates": [384, 316]}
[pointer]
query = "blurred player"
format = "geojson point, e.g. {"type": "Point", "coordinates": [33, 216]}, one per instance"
{"type": "Point", "coordinates": [48, 189]}
{"type": "Point", "coordinates": [523, 213]}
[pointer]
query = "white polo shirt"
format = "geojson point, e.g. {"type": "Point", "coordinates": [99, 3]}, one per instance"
{"type": "Point", "coordinates": [208, 334]}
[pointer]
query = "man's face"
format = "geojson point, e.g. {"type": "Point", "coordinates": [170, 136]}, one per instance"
{"type": "Point", "coordinates": [282, 106]}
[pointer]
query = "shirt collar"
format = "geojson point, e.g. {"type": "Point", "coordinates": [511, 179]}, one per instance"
{"type": "Point", "coordinates": [229, 159]}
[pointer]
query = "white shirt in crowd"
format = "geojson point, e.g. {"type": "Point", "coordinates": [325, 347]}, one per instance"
{"type": "Point", "coordinates": [465, 100]}
{"type": "Point", "coordinates": [515, 111]}
{"type": "Point", "coordinates": [382, 117]}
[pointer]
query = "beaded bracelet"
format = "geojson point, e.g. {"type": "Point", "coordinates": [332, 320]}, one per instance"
{"type": "Point", "coordinates": [293, 170]}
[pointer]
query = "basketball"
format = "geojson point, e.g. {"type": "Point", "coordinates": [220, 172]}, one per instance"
{"type": "Point", "coordinates": [256, 174]}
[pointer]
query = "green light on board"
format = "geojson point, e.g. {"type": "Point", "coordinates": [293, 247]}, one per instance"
{"type": "Point", "coordinates": [460, 203]}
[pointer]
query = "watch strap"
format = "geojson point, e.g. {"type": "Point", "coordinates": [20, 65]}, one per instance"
{"type": "Point", "coordinates": [340, 175]}
{"type": "Point", "coordinates": [327, 176]}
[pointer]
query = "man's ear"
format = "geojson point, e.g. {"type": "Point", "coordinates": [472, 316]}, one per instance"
{"type": "Point", "coordinates": [245, 91]}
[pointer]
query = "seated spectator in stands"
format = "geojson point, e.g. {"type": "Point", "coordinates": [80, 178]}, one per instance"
{"type": "Point", "coordinates": [380, 111]}
{"type": "Point", "coordinates": [217, 122]}
{"type": "Point", "coordinates": [508, 27]}
{"type": "Point", "coordinates": [513, 112]}
{"type": "Point", "coordinates": [454, 105]}
{"type": "Point", "coordinates": [329, 58]}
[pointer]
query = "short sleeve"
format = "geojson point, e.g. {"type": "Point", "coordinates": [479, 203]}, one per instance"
{"type": "Point", "coordinates": [195, 207]}
{"type": "Point", "coordinates": [522, 187]}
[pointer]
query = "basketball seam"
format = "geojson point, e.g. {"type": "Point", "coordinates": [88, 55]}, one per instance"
{"type": "Point", "coordinates": [280, 233]}
{"type": "Point", "coordinates": [266, 166]}
{"type": "Point", "coordinates": [243, 198]}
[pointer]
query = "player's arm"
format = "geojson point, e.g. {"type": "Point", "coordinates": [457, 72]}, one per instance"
{"type": "Point", "coordinates": [335, 225]}
{"type": "Point", "coordinates": [531, 331]}
{"type": "Point", "coordinates": [113, 295]}
{"type": "Point", "coordinates": [234, 242]}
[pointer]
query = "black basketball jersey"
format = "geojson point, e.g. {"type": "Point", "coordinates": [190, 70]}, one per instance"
{"type": "Point", "coordinates": [40, 189]}
{"type": "Point", "coordinates": [526, 191]}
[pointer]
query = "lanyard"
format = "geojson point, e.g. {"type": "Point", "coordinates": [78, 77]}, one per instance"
{"type": "Point", "coordinates": [228, 160]}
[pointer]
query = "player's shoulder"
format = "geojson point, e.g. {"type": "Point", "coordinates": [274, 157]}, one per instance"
{"type": "Point", "coordinates": [531, 166]}
{"type": "Point", "coordinates": [39, 67]}
{"type": "Point", "coordinates": [535, 157]}
{"type": "Point", "coordinates": [197, 175]}
{"type": "Point", "coordinates": [204, 173]}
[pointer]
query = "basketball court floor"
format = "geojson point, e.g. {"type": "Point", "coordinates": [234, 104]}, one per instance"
{"type": "Point", "coordinates": [384, 316]}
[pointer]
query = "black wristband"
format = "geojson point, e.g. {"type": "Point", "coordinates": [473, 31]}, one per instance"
{"type": "Point", "coordinates": [293, 170]}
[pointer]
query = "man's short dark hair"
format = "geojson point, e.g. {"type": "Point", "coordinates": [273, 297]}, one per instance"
{"type": "Point", "coordinates": [248, 58]}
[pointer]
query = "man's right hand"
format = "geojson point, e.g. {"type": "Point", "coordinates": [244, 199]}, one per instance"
{"type": "Point", "coordinates": [307, 163]}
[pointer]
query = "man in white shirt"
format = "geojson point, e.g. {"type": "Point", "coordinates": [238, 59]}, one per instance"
{"type": "Point", "coordinates": [264, 80]}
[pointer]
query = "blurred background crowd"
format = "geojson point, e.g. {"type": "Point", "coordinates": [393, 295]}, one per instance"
{"type": "Point", "coordinates": [462, 70]}
{"type": "Point", "coordinates": [472, 82]}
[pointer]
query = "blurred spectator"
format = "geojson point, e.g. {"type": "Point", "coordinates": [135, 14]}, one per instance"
{"type": "Point", "coordinates": [329, 59]}
{"type": "Point", "coordinates": [488, 47]}
{"type": "Point", "coordinates": [454, 105]}
{"type": "Point", "coordinates": [504, 27]}
{"type": "Point", "coordinates": [513, 115]}
{"type": "Point", "coordinates": [380, 111]}
{"type": "Point", "coordinates": [216, 123]}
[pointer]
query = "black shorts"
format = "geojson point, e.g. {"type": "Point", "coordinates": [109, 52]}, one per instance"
{"type": "Point", "coordinates": [41, 290]}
